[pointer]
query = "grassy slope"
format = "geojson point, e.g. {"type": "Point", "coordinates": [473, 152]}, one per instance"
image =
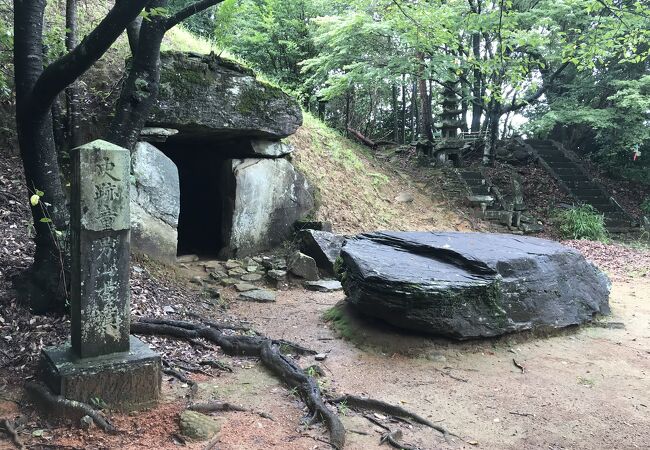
{"type": "Point", "coordinates": [357, 193]}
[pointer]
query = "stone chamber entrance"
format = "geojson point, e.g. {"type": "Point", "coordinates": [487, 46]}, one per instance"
{"type": "Point", "coordinates": [204, 194]}
{"type": "Point", "coordinates": [212, 176]}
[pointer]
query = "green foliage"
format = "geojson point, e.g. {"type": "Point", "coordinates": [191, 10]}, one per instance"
{"type": "Point", "coordinates": [343, 408]}
{"type": "Point", "coordinates": [582, 222]}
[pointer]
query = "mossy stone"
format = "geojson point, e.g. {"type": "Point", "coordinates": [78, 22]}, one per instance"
{"type": "Point", "coordinates": [198, 426]}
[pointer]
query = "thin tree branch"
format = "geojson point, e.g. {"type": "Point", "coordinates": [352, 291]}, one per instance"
{"type": "Point", "coordinates": [531, 98]}
{"type": "Point", "coordinates": [65, 70]}
{"type": "Point", "coordinates": [189, 11]}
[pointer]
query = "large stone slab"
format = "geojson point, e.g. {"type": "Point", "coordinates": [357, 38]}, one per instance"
{"type": "Point", "coordinates": [471, 285]}
{"type": "Point", "coordinates": [207, 96]}
{"type": "Point", "coordinates": [155, 204]}
{"type": "Point", "coordinates": [263, 198]}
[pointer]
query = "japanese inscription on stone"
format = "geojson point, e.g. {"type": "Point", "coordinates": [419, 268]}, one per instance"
{"type": "Point", "coordinates": [100, 216]}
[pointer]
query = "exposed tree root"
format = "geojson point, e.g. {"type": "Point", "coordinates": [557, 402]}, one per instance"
{"type": "Point", "coordinates": [225, 406]}
{"type": "Point", "coordinates": [68, 408]}
{"type": "Point", "coordinates": [393, 438]}
{"type": "Point", "coordinates": [268, 350]}
{"type": "Point", "coordinates": [216, 364]}
{"type": "Point", "coordinates": [8, 427]}
{"type": "Point", "coordinates": [169, 370]}
{"type": "Point", "coordinates": [377, 405]}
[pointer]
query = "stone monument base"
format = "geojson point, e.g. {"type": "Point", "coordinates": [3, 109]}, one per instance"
{"type": "Point", "coordinates": [124, 381]}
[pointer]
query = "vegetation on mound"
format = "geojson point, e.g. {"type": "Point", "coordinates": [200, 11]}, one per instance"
{"type": "Point", "coordinates": [357, 193]}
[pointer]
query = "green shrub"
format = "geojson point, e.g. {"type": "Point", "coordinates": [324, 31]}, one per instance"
{"type": "Point", "coordinates": [582, 222]}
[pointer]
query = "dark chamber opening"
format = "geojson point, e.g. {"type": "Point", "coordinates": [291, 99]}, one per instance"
{"type": "Point", "coordinates": [200, 175]}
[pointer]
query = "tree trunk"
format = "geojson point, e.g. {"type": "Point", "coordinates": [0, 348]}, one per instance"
{"type": "Point", "coordinates": [140, 90]}
{"type": "Point", "coordinates": [495, 114]}
{"type": "Point", "coordinates": [415, 113]}
{"type": "Point", "coordinates": [72, 92]}
{"type": "Point", "coordinates": [348, 101]}
{"type": "Point", "coordinates": [426, 128]}
{"type": "Point", "coordinates": [403, 141]}
{"type": "Point", "coordinates": [395, 113]}
{"type": "Point", "coordinates": [477, 86]}
{"type": "Point", "coordinates": [38, 152]}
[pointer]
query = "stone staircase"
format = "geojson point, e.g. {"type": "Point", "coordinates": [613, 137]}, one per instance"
{"type": "Point", "coordinates": [575, 181]}
{"type": "Point", "coordinates": [494, 206]}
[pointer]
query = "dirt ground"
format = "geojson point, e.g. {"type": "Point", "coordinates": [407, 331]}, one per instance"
{"type": "Point", "coordinates": [586, 388]}
{"type": "Point", "coordinates": [582, 388]}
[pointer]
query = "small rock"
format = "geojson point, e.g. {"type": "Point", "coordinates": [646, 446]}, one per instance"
{"type": "Point", "coordinates": [303, 266]}
{"type": "Point", "coordinates": [211, 265]}
{"type": "Point", "coordinates": [213, 292]}
{"type": "Point", "coordinates": [404, 197]}
{"type": "Point", "coordinates": [278, 275]}
{"type": "Point", "coordinates": [229, 281]}
{"type": "Point", "coordinates": [198, 426]}
{"type": "Point", "coordinates": [323, 285]}
{"type": "Point", "coordinates": [197, 280]}
{"type": "Point", "coordinates": [320, 357]}
{"type": "Point", "coordinates": [232, 264]}
{"type": "Point", "coordinates": [245, 287]}
{"type": "Point", "coordinates": [251, 269]}
{"type": "Point", "coordinates": [274, 263]}
{"type": "Point", "coordinates": [187, 259]}
{"type": "Point", "coordinates": [260, 295]}
{"type": "Point", "coordinates": [218, 275]}
{"type": "Point", "coordinates": [252, 277]}
{"type": "Point", "coordinates": [168, 310]}
{"type": "Point", "coordinates": [87, 422]}
{"type": "Point", "coordinates": [237, 271]}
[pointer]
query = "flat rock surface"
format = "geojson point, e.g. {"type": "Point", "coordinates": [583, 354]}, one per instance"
{"type": "Point", "coordinates": [470, 285]}
{"type": "Point", "coordinates": [323, 285]}
{"type": "Point", "coordinates": [260, 295]}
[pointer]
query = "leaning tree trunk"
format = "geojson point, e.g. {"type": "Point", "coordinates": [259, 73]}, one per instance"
{"type": "Point", "coordinates": [140, 90]}
{"type": "Point", "coordinates": [72, 91]}
{"type": "Point", "coordinates": [45, 289]}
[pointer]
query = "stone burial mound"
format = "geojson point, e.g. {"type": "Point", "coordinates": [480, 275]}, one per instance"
{"type": "Point", "coordinates": [219, 181]}
{"type": "Point", "coordinates": [470, 285]}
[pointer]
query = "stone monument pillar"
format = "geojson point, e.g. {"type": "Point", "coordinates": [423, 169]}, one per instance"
{"type": "Point", "coordinates": [102, 360]}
